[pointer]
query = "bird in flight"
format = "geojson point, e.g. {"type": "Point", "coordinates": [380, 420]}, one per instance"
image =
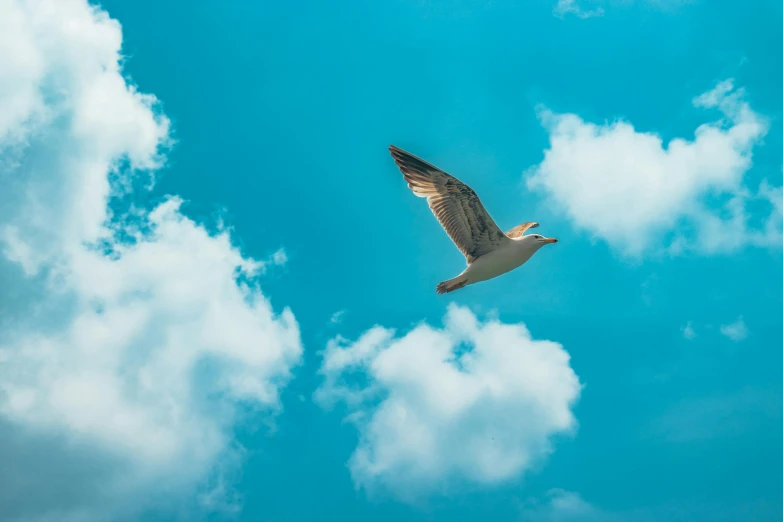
{"type": "Point", "coordinates": [488, 251]}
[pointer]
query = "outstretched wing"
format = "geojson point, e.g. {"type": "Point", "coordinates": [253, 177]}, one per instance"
{"type": "Point", "coordinates": [456, 206]}
{"type": "Point", "coordinates": [519, 230]}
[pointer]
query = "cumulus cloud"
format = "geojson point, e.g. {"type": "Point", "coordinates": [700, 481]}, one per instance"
{"type": "Point", "coordinates": [736, 331]}
{"type": "Point", "coordinates": [473, 401]}
{"type": "Point", "coordinates": [133, 339]}
{"type": "Point", "coordinates": [640, 195]}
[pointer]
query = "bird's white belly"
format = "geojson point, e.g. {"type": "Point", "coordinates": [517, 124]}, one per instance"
{"type": "Point", "coordinates": [498, 262]}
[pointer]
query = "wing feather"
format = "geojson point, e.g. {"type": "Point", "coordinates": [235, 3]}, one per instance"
{"type": "Point", "coordinates": [455, 205]}
{"type": "Point", "coordinates": [519, 230]}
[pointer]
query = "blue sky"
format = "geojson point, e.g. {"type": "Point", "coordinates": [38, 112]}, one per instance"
{"type": "Point", "coordinates": [255, 336]}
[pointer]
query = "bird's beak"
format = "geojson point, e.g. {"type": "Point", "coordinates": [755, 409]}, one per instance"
{"type": "Point", "coordinates": [550, 240]}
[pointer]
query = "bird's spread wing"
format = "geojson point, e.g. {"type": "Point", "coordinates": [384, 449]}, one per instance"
{"type": "Point", "coordinates": [456, 206]}
{"type": "Point", "coordinates": [519, 230]}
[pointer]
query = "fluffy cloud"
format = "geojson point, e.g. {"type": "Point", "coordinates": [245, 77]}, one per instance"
{"type": "Point", "coordinates": [639, 195]}
{"type": "Point", "coordinates": [736, 331]}
{"type": "Point", "coordinates": [474, 401]}
{"type": "Point", "coordinates": [132, 339]}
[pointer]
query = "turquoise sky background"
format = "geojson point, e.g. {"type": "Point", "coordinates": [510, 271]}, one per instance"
{"type": "Point", "coordinates": [282, 114]}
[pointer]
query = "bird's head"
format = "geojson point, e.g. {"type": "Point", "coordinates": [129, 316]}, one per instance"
{"type": "Point", "coordinates": [539, 240]}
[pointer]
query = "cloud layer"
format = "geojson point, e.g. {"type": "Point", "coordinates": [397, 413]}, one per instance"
{"type": "Point", "coordinates": [629, 189]}
{"type": "Point", "coordinates": [474, 401]}
{"type": "Point", "coordinates": [133, 339]}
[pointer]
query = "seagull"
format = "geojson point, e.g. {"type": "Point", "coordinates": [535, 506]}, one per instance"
{"type": "Point", "coordinates": [488, 251]}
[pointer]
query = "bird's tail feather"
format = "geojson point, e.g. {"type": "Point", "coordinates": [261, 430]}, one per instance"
{"type": "Point", "coordinates": [452, 284]}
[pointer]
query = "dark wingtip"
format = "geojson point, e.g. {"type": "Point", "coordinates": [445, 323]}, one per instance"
{"type": "Point", "coordinates": [406, 160]}
{"type": "Point", "coordinates": [397, 152]}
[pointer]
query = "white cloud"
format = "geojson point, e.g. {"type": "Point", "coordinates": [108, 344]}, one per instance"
{"type": "Point", "coordinates": [134, 339]}
{"type": "Point", "coordinates": [577, 7]}
{"type": "Point", "coordinates": [473, 401]}
{"type": "Point", "coordinates": [688, 332]}
{"type": "Point", "coordinates": [280, 257]}
{"type": "Point", "coordinates": [565, 7]}
{"type": "Point", "coordinates": [639, 195]}
{"type": "Point", "coordinates": [736, 331]}
{"type": "Point", "coordinates": [563, 506]}
{"type": "Point", "coordinates": [567, 506]}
